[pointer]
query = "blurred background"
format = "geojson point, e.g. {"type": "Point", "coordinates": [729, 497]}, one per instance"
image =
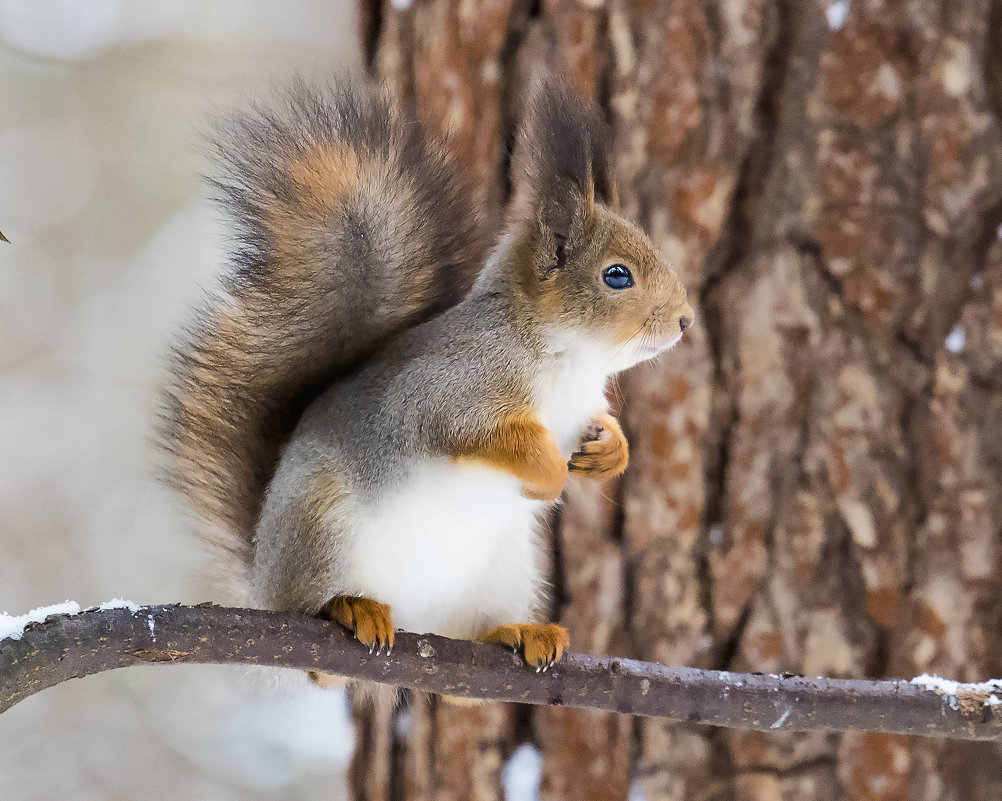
{"type": "Point", "coordinates": [815, 482]}
{"type": "Point", "coordinates": [104, 104]}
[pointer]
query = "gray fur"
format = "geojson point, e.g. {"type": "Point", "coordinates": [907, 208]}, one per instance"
{"type": "Point", "coordinates": [438, 383]}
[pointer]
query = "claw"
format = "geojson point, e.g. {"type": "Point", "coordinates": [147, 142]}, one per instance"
{"type": "Point", "coordinates": [369, 621]}
{"type": "Point", "coordinates": [541, 644]}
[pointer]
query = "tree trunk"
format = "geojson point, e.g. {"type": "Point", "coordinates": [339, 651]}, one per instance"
{"type": "Point", "coordinates": [816, 474]}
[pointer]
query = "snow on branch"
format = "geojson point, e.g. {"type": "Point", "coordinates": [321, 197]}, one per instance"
{"type": "Point", "coordinates": [36, 655]}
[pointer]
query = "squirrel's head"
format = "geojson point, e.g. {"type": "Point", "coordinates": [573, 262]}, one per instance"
{"type": "Point", "coordinates": [586, 270]}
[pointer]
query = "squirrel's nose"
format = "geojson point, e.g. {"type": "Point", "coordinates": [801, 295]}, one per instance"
{"type": "Point", "coordinates": [686, 318]}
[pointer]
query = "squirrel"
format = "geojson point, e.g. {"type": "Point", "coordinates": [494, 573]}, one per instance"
{"type": "Point", "coordinates": [372, 418]}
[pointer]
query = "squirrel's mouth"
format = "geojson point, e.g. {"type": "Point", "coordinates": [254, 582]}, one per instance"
{"type": "Point", "coordinates": [651, 348]}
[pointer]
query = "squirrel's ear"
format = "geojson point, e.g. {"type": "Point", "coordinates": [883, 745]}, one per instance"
{"type": "Point", "coordinates": [560, 167]}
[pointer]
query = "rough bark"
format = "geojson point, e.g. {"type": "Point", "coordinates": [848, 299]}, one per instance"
{"type": "Point", "coordinates": [70, 646]}
{"type": "Point", "coordinates": [816, 481]}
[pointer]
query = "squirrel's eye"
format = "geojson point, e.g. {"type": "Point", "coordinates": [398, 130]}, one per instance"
{"type": "Point", "coordinates": [617, 276]}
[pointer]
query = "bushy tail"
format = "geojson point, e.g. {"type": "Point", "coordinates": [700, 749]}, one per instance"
{"type": "Point", "coordinates": [352, 224]}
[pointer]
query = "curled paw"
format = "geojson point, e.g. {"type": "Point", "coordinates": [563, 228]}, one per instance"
{"type": "Point", "coordinates": [542, 644]}
{"type": "Point", "coordinates": [368, 620]}
{"type": "Point", "coordinates": [603, 453]}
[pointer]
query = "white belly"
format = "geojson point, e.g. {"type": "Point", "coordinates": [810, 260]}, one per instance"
{"type": "Point", "coordinates": [454, 551]}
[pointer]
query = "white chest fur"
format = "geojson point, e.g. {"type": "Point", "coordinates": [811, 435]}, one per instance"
{"type": "Point", "coordinates": [571, 392]}
{"type": "Point", "coordinates": [456, 548]}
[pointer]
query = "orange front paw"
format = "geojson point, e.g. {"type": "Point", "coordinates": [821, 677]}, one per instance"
{"type": "Point", "coordinates": [605, 454]}
{"type": "Point", "coordinates": [368, 620]}
{"type": "Point", "coordinates": [542, 644]}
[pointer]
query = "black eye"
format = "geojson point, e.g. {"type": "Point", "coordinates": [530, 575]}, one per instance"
{"type": "Point", "coordinates": [617, 276]}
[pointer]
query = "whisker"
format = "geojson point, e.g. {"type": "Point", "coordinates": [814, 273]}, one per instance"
{"type": "Point", "coordinates": [645, 330]}
{"type": "Point", "coordinates": [640, 330]}
{"type": "Point", "coordinates": [616, 389]}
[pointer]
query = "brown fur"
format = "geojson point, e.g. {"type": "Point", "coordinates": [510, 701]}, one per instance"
{"type": "Point", "coordinates": [353, 224]}
{"type": "Point", "coordinates": [342, 319]}
{"type": "Point", "coordinates": [573, 296]}
{"type": "Point", "coordinates": [566, 231]}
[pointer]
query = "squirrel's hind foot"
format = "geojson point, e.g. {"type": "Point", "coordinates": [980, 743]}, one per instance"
{"type": "Point", "coordinates": [368, 620]}
{"type": "Point", "coordinates": [542, 644]}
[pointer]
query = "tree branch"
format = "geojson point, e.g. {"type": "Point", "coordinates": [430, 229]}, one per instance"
{"type": "Point", "coordinates": [70, 646]}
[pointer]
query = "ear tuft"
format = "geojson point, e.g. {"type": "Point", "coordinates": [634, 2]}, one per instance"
{"type": "Point", "coordinates": [561, 164]}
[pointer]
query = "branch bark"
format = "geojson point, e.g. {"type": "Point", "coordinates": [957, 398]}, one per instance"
{"type": "Point", "coordinates": [70, 646]}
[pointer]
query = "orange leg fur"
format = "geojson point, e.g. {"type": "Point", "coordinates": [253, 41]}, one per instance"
{"type": "Point", "coordinates": [605, 456]}
{"type": "Point", "coordinates": [526, 449]}
{"type": "Point", "coordinates": [542, 644]}
{"type": "Point", "coordinates": [368, 620]}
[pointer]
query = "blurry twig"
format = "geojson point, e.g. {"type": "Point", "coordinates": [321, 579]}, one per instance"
{"type": "Point", "coordinates": [70, 646]}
